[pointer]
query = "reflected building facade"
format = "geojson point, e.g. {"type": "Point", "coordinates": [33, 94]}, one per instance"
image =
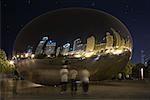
{"type": "Point", "coordinates": [40, 47]}
{"type": "Point", "coordinates": [109, 41]}
{"type": "Point", "coordinates": [117, 38]}
{"type": "Point", "coordinates": [90, 44]}
{"type": "Point", "coordinates": [77, 44]}
{"type": "Point", "coordinates": [65, 49]}
{"type": "Point", "coordinates": [50, 48]}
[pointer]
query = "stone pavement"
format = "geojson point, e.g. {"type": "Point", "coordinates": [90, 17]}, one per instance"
{"type": "Point", "coordinates": [103, 90]}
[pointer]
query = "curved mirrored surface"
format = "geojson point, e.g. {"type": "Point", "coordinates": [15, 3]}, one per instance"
{"type": "Point", "coordinates": [84, 37]}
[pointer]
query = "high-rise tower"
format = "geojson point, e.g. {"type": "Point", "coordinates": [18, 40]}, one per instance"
{"type": "Point", "coordinates": [109, 41]}
{"type": "Point", "coordinates": [90, 44]}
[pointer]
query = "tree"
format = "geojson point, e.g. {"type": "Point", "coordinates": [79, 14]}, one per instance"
{"type": "Point", "coordinates": [5, 66]}
{"type": "Point", "coordinates": [127, 70]}
{"type": "Point", "coordinates": [148, 69]}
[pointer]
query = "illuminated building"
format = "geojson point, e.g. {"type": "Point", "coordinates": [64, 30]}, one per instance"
{"type": "Point", "coordinates": [109, 41]}
{"type": "Point", "coordinates": [50, 48]}
{"type": "Point", "coordinates": [77, 44]}
{"type": "Point", "coordinates": [100, 47]}
{"type": "Point", "coordinates": [39, 49]}
{"type": "Point", "coordinates": [128, 43]}
{"type": "Point", "coordinates": [29, 49]}
{"type": "Point", "coordinates": [57, 51]}
{"type": "Point", "coordinates": [65, 49]}
{"type": "Point", "coordinates": [90, 44]}
{"type": "Point", "coordinates": [117, 38]}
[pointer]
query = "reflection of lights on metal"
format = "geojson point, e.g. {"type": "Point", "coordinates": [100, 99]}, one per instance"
{"type": "Point", "coordinates": [77, 55]}
{"type": "Point", "coordinates": [26, 55]}
{"type": "Point", "coordinates": [88, 54]}
{"type": "Point", "coordinates": [48, 55]}
{"type": "Point", "coordinates": [142, 75]}
{"type": "Point", "coordinates": [32, 56]}
{"type": "Point", "coordinates": [97, 58]}
{"type": "Point", "coordinates": [118, 51]}
{"type": "Point", "coordinates": [11, 62]}
{"type": "Point", "coordinates": [17, 56]}
{"type": "Point", "coordinates": [22, 56]}
{"type": "Point", "coordinates": [108, 51]}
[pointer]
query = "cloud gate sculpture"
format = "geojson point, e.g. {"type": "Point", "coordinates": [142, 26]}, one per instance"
{"type": "Point", "coordinates": [84, 37]}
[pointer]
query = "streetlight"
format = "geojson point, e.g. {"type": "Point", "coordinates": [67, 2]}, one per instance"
{"type": "Point", "coordinates": [142, 76]}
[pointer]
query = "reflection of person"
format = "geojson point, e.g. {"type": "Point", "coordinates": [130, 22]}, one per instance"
{"type": "Point", "coordinates": [85, 74]}
{"type": "Point", "coordinates": [16, 73]}
{"type": "Point", "coordinates": [73, 78]}
{"type": "Point", "coordinates": [64, 78]}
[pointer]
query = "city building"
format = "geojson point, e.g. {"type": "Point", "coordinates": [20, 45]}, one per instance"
{"type": "Point", "coordinates": [77, 44]}
{"type": "Point", "coordinates": [29, 49]}
{"type": "Point", "coordinates": [65, 49]}
{"type": "Point", "coordinates": [40, 47]}
{"type": "Point", "coordinates": [57, 51]}
{"type": "Point", "coordinates": [90, 44]}
{"type": "Point", "coordinates": [109, 41]}
{"type": "Point", "coordinates": [117, 36]}
{"type": "Point", "coordinates": [100, 47]}
{"type": "Point", "coordinates": [50, 48]}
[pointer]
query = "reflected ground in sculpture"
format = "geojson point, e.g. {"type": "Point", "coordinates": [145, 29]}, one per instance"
{"type": "Point", "coordinates": [85, 37]}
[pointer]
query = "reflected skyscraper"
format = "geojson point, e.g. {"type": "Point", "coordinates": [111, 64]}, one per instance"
{"type": "Point", "coordinates": [65, 49]}
{"type": "Point", "coordinates": [29, 49]}
{"type": "Point", "coordinates": [117, 38]}
{"type": "Point", "coordinates": [77, 44]}
{"type": "Point", "coordinates": [39, 49]}
{"type": "Point", "coordinates": [90, 44]}
{"type": "Point", "coordinates": [100, 47]}
{"type": "Point", "coordinates": [50, 48]}
{"type": "Point", "coordinates": [109, 41]}
{"type": "Point", "coordinates": [57, 51]}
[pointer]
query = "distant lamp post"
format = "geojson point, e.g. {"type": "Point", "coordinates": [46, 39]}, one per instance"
{"type": "Point", "coordinates": [142, 76]}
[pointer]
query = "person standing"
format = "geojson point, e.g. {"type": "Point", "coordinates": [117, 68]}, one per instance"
{"type": "Point", "coordinates": [73, 78]}
{"type": "Point", "coordinates": [85, 74]}
{"type": "Point", "coordinates": [64, 78]}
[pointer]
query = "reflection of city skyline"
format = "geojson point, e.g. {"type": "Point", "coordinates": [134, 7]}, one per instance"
{"type": "Point", "coordinates": [113, 41]}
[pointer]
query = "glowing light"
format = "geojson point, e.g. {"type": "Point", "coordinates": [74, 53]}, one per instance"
{"type": "Point", "coordinates": [32, 56]}
{"type": "Point", "coordinates": [142, 75]}
{"type": "Point", "coordinates": [17, 56]}
{"type": "Point", "coordinates": [97, 58]}
{"type": "Point", "coordinates": [108, 51]}
{"type": "Point", "coordinates": [88, 54]}
{"type": "Point", "coordinates": [48, 55]}
{"type": "Point", "coordinates": [26, 55]}
{"type": "Point", "coordinates": [22, 56]}
{"type": "Point", "coordinates": [77, 55]}
{"type": "Point", "coordinates": [118, 51]}
{"type": "Point", "coordinates": [11, 62]}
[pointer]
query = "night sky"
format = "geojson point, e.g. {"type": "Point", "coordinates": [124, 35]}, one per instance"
{"type": "Point", "coordinates": [133, 13]}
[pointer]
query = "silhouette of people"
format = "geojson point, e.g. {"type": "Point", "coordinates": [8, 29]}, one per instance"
{"type": "Point", "coordinates": [85, 74]}
{"type": "Point", "coordinates": [64, 78]}
{"type": "Point", "coordinates": [73, 78]}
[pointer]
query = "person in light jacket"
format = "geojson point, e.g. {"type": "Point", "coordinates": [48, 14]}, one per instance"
{"type": "Point", "coordinates": [85, 74]}
{"type": "Point", "coordinates": [64, 78]}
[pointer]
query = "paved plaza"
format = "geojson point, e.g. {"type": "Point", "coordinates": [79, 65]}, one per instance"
{"type": "Point", "coordinates": [103, 90]}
